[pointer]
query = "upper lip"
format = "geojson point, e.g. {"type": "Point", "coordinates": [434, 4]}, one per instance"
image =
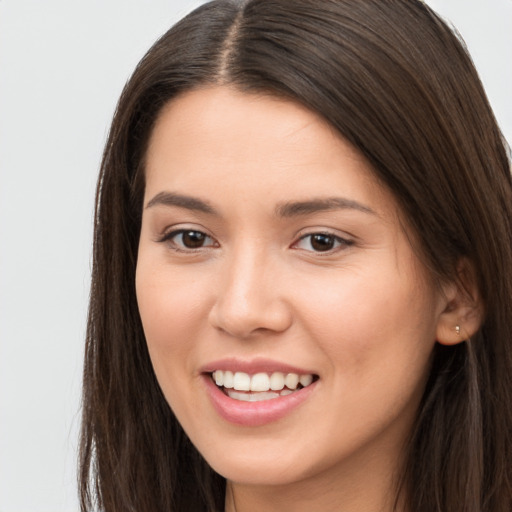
{"type": "Point", "coordinates": [258, 365]}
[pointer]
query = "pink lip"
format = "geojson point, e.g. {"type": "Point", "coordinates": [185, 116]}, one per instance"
{"type": "Point", "coordinates": [253, 366]}
{"type": "Point", "coordinates": [254, 414]}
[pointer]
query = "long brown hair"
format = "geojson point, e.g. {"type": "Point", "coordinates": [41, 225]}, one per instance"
{"type": "Point", "coordinates": [397, 83]}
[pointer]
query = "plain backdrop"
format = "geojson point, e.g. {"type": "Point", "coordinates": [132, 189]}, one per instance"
{"type": "Point", "coordinates": [63, 64]}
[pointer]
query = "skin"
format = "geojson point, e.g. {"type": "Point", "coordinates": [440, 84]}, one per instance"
{"type": "Point", "coordinates": [364, 316]}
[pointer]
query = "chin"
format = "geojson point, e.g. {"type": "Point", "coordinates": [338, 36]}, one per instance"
{"type": "Point", "coordinates": [262, 472]}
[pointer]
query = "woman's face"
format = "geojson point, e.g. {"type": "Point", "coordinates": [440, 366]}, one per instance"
{"type": "Point", "coordinates": [270, 254]}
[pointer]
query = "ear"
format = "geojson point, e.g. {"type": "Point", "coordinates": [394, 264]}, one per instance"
{"type": "Point", "coordinates": [464, 311]}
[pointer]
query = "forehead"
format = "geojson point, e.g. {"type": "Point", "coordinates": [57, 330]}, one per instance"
{"type": "Point", "coordinates": [216, 138]}
{"type": "Point", "coordinates": [202, 116]}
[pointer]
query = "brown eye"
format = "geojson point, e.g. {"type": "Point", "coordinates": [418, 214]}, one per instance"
{"type": "Point", "coordinates": [322, 242]}
{"type": "Point", "coordinates": [193, 239]}
{"type": "Point", "coordinates": [184, 239]}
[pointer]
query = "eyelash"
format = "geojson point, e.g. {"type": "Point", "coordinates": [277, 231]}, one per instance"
{"type": "Point", "coordinates": [342, 243]}
{"type": "Point", "coordinates": [331, 238]}
{"type": "Point", "coordinates": [169, 237]}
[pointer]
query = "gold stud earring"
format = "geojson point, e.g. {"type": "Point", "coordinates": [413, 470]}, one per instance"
{"type": "Point", "coordinates": [457, 329]}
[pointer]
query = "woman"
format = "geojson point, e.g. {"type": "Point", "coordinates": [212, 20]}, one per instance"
{"type": "Point", "coordinates": [301, 286]}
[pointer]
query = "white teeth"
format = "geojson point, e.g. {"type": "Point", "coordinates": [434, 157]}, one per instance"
{"type": "Point", "coordinates": [257, 397]}
{"type": "Point", "coordinates": [228, 379]}
{"type": "Point", "coordinates": [261, 382]}
{"type": "Point", "coordinates": [277, 381]}
{"type": "Point", "coordinates": [252, 397]}
{"type": "Point", "coordinates": [305, 380]}
{"type": "Point", "coordinates": [291, 381]}
{"type": "Point", "coordinates": [242, 381]}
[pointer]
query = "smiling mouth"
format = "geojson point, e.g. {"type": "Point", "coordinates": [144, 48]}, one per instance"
{"type": "Point", "coordinates": [260, 386]}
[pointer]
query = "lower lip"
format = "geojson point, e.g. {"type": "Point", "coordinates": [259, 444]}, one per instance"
{"type": "Point", "coordinates": [255, 414]}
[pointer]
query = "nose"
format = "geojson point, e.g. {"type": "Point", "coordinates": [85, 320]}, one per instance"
{"type": "Point", "coordinates": [251, 297]}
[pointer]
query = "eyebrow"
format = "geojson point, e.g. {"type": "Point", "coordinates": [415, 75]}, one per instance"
{"type": "Point", "coordinates": [182, 201]}
{"type": "Point", "coordinates": [298, 208]}
{"type": "Point", "coordinates": [286, 209]}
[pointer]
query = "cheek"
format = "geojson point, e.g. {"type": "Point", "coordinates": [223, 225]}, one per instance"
{"type": "Point", "coordinates": [375, 321]}
{"type": "Point", "coordinates": [378, 339]}
{"type": "Point", "coordinates": [171, 307]}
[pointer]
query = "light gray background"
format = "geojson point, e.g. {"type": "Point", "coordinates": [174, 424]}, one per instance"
{"type": "Point", "coordinates": [62, 66]}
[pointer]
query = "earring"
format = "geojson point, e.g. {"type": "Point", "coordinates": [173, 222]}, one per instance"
{"type": "Point", "coordinates": [457, 329]}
